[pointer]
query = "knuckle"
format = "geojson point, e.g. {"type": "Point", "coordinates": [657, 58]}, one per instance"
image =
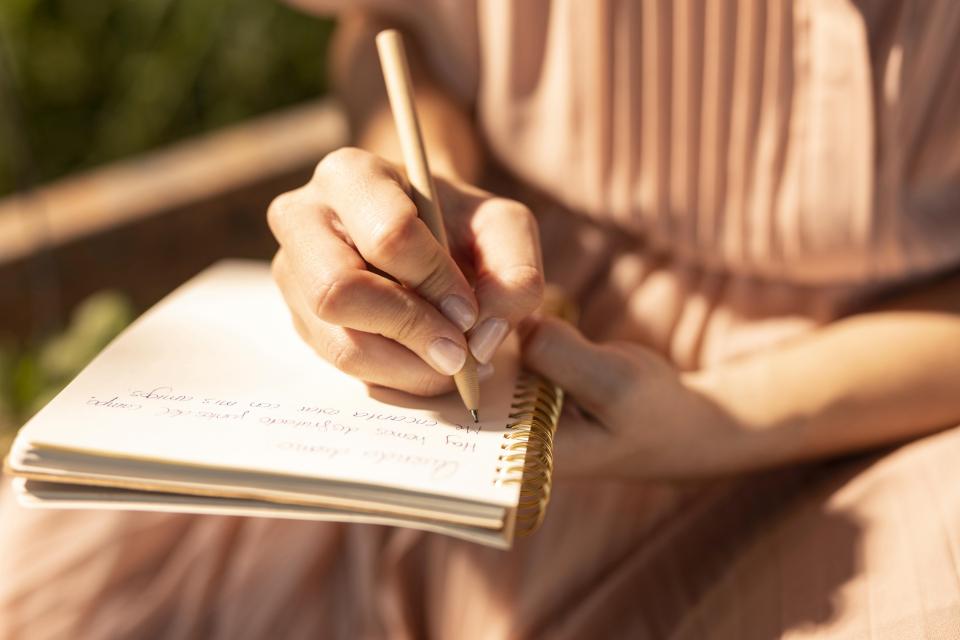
{"type": "Point", "coordinates": [528, 284]}
{"type": "Point", "coordinates": [280, 210]}
{"type": "Point", "coordinates": [341, 161]}
{"type": "Point", "coordinates": [407, 324]}
{"type": "Point", "coordinates": [346, 357]}
{"type": "Point", "coordinates": [331, 294]}
{"type": "Point", "coordinates": [436, 278]}
{"type": "Point", "coordinates": [512, 211]}
{"type": "Point", "coordinates": [395, 236]}
{"type": "Point", "coordinates": [523, 214]}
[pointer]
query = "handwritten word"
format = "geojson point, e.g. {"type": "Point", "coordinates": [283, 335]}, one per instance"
{"type": "Point", "coordinates": [439, 468]}
{"type": "Point", "coordinates": [456, 442]}
{"type": "Point", "coordinates": [113, 403]}
{"type": "Point", "coordinates": [387, 417]}
{"type": "Point", "coordinates": [327, 452]}
{"type": "Point", "coordinates": [466, 428]}
{"type": "Point", "coordinates": [327, 411]}
{"type": "Point", "coordinates": [172, 412]}
{"type": "Point", "coordinates": [160, 393]}
{"type": "Point", "coordinates": [402, 435]}
{"type": "Point", "coordinates": [326, 426]}
{"type": "Point", "coordinates": [219, 403]}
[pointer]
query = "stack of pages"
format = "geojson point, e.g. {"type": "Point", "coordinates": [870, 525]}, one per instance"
{"type": "Point", "coordinates": [211, 403]}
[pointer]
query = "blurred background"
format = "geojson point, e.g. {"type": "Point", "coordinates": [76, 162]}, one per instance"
{"type": "Point", "coordinates": [139, 141]}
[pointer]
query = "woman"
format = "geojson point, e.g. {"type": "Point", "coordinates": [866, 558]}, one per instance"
{"type": "Point", "coordinates": [756, 207]}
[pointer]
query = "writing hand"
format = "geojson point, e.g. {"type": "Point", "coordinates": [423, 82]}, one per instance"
{"type": "Point", "coordinates": [375, 294]}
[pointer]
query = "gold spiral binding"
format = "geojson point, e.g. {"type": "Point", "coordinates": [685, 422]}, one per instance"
{"type": "Point", "coordinates": [527, 448]}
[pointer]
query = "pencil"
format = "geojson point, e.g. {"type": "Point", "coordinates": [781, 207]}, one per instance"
{"type": "Point", "coordinates": [396, 75]}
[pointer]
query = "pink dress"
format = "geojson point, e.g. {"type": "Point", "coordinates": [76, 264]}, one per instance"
{"type": "Point", "coordinates": [712, 178]}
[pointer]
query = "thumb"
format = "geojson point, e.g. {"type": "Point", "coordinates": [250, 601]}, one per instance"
{"type": "Point", "coordinates": [595, 375]}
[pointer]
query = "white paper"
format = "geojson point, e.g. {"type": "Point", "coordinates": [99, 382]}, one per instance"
{"type": "Point", "coordinates": [216, 376]}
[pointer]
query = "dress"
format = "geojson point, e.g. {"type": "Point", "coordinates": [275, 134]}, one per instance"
{"type": "Point", "coordinates": [711, 179]}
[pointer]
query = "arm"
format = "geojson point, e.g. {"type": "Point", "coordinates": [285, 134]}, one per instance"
{"type": "Point", "coordinates": [873, 378]}
{"type": "Point", "coordinates": [881, 376]}
{"type": "Point", "coordinates": [367, 284]}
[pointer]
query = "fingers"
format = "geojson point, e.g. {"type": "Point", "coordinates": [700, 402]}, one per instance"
{"type": "Point", "coordinates": [596, 375]}
{"type": "Point", "coordinates": [509, 271]}
{"type": "Point", "coordinates": [367, 302]}
{"type": "Point", "coordinates": [338, 289]}
{"type": "Point", "coordinates": [367, 194]}
{"type": "Point", "coordinates": [330, 290]}
{"type": "Point", "coordinates": [369, 357]}
{"type": "Point", "coordinates": [353, 233]}
{"type": "Point", "coordinates": [376, 360]}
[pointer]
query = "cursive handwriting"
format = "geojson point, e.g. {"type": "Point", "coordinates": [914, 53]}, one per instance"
{"type": "Point", "coordinates": [460, 443]}
{"type": "Point", "coordinates": [325, 426]}
{"type": "Point", "coordinates": [439, 468]}
{"type": "Point", "coordinates": [113, 403]}
{"type": "Point", "coordinates": [161, 393]}
{"type": "Point", "coordinates": [321, 450]}
{"type": "Point", "coordinates": [419, 438]}
{"type": "Point", "coordinates": [327, 411]}
{"type": "Point", "coordinates": [173, 412]}
{"type": "Point", "coordinates": [390, 417]}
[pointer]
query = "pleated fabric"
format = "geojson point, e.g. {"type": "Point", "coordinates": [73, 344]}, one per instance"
{"type": "Point", "coordinates": [782, 139]}
{"type": "Point", "coordinates": [774, 161]}
{"type": "Point", "coordinates": [711, 178]}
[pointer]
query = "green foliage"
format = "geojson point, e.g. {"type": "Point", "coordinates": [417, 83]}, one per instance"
{"type": "Point", "coordinates": [84, 82]}
{"type": "Point", "coordinates": [30, 377]}
{"type": "Point", "coordinates": [87, 81]}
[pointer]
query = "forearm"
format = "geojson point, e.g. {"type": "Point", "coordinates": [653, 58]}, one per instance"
{"type": "Point", "coordinates": [452, 142]}
{"type": "Point", "coordinates": [874, 378]}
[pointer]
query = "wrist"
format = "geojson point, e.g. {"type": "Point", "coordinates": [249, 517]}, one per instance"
{"type": "Point", "coordinates": [750, 436]}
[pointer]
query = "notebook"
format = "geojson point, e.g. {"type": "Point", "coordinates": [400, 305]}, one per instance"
{"type": "Point", "coordinates": [211, 403]}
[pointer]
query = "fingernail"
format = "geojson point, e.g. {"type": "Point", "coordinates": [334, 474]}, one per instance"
{"type": "Point", "coordinates": [484, 371]}
{"type": "Point", "coordinates": [447, 356]}
{"type": "Point", "coordinates": [487, 337]}
{"type": "Point", "coordinates": [458, 311]}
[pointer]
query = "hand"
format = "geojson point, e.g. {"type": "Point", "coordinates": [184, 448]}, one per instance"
{"type": "Point", "coordinates": [629, 414]}
{"type": "Point", "coordinates": [375, 294]}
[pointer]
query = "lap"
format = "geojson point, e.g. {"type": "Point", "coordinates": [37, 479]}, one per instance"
{"type": "Point", "coordinates": [838, 550]}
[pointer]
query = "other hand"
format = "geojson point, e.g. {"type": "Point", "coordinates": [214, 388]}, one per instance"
{"type": "Point", "coordinates": [630, 414]}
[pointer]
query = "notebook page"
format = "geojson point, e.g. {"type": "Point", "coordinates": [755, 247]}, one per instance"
{"type": "Point", "coordinates": [215, 375]}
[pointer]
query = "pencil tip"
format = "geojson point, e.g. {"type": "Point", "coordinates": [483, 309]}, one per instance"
{"type": "Point", "coordinates": [475, 414]}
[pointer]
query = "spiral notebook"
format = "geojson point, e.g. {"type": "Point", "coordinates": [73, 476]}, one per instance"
{"type": "Point", "coordinates": [211, 403]}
